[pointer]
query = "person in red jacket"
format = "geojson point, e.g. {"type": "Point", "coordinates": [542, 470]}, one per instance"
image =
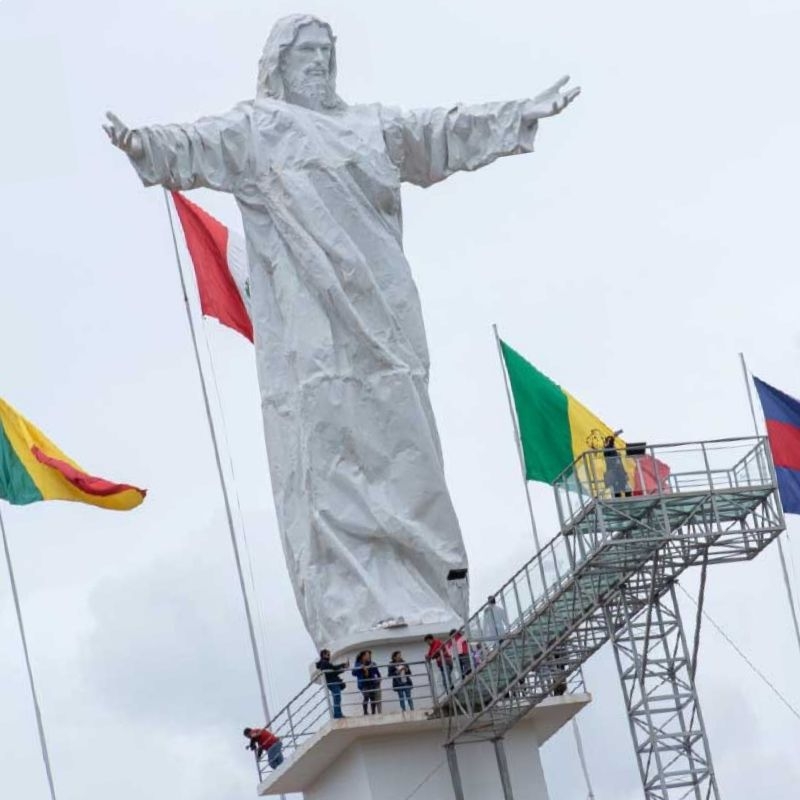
{"type": "Point", "coordinates": [438, 652]}
{"type": "Point", "coordinates": [263, 740]}
{"type": "Point", "coordinates": [461, 647]}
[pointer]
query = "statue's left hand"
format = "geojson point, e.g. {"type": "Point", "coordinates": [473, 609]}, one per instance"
{"type": "Point", "coordinates": [552, 101]}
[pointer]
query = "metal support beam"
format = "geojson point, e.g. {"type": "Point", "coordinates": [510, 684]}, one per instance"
{"type": "Point", "coordinates": [455, 774]}
{"type": "Point", "coordinates": [666, 723]}
{"type": "Point", "coordinates": [502, 766]}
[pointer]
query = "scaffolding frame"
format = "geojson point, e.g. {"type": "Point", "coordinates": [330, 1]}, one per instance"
{"type": "Point", "coordinates": [661, 702]}
{"type": "Point", "coordinates": [610, 573]}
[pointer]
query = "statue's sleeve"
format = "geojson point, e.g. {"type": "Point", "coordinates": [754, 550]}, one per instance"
{"type": "Point", "coordinates": [213, 152]}
{"type": "Point", "coordinates": [428, 145]}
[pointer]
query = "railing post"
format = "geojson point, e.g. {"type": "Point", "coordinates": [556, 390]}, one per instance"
{"type": "Point", "coordinates": [520, 613]}
{"type": "Point", "coordinates": [432, 686]}
{"type": "Point", "coordinates": [707, 465]}
{"type": "Point", "coordinates": [594, 484]}
{"type": "Point", "coordinates": [328, 699]}
{"type": "Point", "coordinates": [291, 726]}
{"type": "Point", "coordinates": [764, 459]}
{"type": "Point", "coordinates": [714, 508]}
{"type": "Point", "coordinates": [562, 520]}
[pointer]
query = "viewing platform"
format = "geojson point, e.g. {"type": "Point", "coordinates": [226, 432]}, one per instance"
{"type": "Point", "coordinates": [316, 750]}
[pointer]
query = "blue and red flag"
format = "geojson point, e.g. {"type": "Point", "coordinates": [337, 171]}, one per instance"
{"type": "Point", "coordinates": [782, 413]}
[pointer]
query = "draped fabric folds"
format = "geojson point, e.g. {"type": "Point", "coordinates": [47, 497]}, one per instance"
{"type": "Point", "coordinates": [367, 524]}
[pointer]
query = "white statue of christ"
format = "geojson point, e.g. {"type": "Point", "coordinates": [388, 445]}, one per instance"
{"type": "Point", "coordinates": [367, 524]}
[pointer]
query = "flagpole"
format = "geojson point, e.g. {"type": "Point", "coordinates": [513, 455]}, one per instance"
{"type": "Point", "coordinates": [579, 746]}
{"type": "Point", "coordinates": [37, 711]}
{"type": "Point", "coordinates": [223, 484]}
{"type": "Point", "coordinates": [784, 569]}
{"type": "Point", "coordinates": [534, 529]}
{"type": "Point", "coordinates": [517, 439]}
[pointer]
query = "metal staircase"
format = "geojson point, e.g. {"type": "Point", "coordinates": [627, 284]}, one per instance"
{"type": "Point", "coordinates": [614, 562]}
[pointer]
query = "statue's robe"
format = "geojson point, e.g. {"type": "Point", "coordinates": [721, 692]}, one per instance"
{"type": "Point", "coordinates": [367, 524]}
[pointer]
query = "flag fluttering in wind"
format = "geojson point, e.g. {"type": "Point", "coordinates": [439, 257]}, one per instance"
{"type": "Point", "coordinates": [219, 257]}
{"type": "Point", "coordinates": [555, 429]}
{"type": "Point", "coordinates": [32, 468]}
{"type": "Point", "coordinates": [782, 413]}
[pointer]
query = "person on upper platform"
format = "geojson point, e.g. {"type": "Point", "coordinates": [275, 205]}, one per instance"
{"type": "Point", "coordinates": [615, 478]}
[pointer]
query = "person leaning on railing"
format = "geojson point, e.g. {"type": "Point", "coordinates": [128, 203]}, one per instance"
{"type": "Point", "coordinates": [263, 740]}
{"type": "Point", "coordinates": [438, 652]}
{"type": "Point", "coordinates": [333, 679]}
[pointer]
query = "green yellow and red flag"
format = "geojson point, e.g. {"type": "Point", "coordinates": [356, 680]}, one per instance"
{"type": "Point", "coordinates": [555, 428]}
{"type": "Point", "coordinates": [32, 468]}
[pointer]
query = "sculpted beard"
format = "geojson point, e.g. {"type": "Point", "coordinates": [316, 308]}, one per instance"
{"type": "Point", "coordinates": [317, 89]}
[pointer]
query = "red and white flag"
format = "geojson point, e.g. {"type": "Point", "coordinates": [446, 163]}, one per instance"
{"type": "Point", "coordinates": [220, 266]}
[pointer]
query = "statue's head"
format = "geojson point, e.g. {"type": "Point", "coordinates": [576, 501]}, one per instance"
{"type": "Point", "coordinates": [298, 64]}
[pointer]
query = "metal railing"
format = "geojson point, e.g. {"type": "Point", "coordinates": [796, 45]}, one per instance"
{"type": "Point", "coordinates": [720, 464]}
{"type": "Point", "coordinates": [313, 707]}
{"type": "Point", "coordinates": [693, 467]}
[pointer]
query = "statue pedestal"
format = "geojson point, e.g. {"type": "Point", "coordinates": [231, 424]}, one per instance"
{"type": "Point", "coordinates": [389, 755]}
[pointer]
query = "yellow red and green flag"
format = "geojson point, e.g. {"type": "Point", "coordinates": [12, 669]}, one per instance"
{"type": "Point", "coordinates": [32, 468]}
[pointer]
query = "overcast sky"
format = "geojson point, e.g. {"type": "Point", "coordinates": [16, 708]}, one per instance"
{"type": "Point", "coordinates": [650, 238]}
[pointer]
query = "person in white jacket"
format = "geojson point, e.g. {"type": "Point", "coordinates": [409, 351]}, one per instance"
{"type": "Point", "coordinates": [495, 620]}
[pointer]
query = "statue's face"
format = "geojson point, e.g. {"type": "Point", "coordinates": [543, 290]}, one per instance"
{"type": "Point", "coordinates": [306, 66]}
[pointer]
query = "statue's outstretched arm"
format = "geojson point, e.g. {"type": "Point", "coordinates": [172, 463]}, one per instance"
{"type": "Point", "coordinates": [213, 152]}
{"type": "Point", "coordinates": [428, 145]}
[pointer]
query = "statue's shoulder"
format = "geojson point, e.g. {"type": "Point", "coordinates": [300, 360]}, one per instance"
{"type": "Point", "coordinates": [372, 113]}
{"type": "Point", "coordinates": [367, 109]}
{"type": "Point", "coordinates": [269, 106]}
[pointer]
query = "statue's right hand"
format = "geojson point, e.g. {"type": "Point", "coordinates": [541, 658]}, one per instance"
{"type": "Point", "coordinates": [122, 136]}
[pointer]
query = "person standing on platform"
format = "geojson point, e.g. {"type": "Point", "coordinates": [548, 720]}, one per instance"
{"type": "Point", "coordinates": [616, 478]}
{"type": "Point", "coordinates": [368, 678]}
{"type": "Point", "coordinates": [333, 679]}
{"type": "Point", "coordinates": [460, 645]}
{"type": "Point", "coordinates": [438, 652]}
{"type": "Point", "coordinates": [400, 673]}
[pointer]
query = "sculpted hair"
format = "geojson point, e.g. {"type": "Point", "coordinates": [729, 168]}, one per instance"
{"type": "Point", "coordinates": [283, 35]}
